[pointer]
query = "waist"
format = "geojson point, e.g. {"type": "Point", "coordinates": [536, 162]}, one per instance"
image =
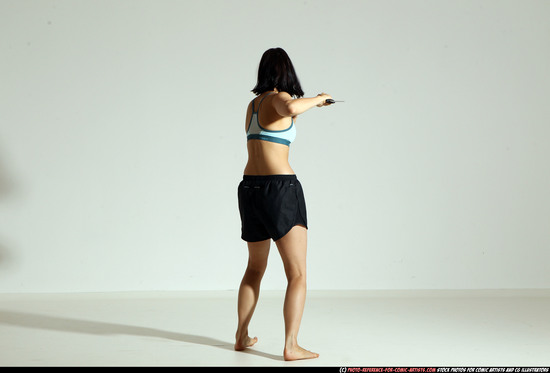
{"type": "Point", "coordinates": [266, 158]}
{"type": "Point", "coordinates": [281, 177]}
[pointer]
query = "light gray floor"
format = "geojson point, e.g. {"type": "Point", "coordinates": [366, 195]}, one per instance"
{"type": "Point", "coordinates": [347, 328]}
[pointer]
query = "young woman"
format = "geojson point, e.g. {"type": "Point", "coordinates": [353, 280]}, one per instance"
{"type": "Point", "coordinates": [271, 200]}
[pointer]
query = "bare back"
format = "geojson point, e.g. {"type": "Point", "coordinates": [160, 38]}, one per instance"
{"type": "Point", "coordinates": [264, 157]}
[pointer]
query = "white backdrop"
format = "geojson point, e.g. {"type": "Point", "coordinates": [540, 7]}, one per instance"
{"type": "Point", "coordinates": [122, 142]}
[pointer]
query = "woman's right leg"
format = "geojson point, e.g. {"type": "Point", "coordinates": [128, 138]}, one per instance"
{"type": "Point", "coordinates": [293, 247]}
{"type": "Point", "coordinates": [249, 291]}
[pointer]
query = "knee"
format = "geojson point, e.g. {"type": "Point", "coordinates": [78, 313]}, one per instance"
{"type": "Point", "coordinates": [255, 272]}
{"type": "Point", "coordinates": [297, 278]}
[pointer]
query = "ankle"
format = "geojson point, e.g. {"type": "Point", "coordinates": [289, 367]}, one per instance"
{"type": "Point", "coordinates": [291, 344]}
{"type": "Point", "coordinates": [241, 334]}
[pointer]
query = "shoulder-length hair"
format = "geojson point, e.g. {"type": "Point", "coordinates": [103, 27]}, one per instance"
{"type": "Point", "coordinates": [276, 71]}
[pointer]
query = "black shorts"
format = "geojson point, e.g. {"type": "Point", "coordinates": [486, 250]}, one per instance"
{"type": "Point", "coordinates": [270, 206]}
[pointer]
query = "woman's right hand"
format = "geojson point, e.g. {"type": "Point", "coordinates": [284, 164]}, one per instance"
{"type": "Point", "coordinates": [324, 97]}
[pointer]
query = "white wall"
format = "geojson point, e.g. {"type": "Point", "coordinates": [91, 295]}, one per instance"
{"type": "Point", "coordinates": [122, 142]}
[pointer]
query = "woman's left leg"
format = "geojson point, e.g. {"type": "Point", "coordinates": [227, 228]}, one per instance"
{"type": "Point", "coordinates": [249, 291]}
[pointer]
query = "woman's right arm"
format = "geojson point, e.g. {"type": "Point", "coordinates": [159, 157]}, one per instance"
{"type": "Point", "coordinates": [286, 106]}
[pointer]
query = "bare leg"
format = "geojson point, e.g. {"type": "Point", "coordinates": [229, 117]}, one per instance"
{"type": "Point", "coordinates": [249, 291]}
{"type": "Point", "coordinates": [293, 247]}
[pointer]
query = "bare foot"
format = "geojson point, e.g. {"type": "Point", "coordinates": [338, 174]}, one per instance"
{"type": "Point", "coordinates": [245, 342]}
{"type": "Point", "coordinates": [298, 353]}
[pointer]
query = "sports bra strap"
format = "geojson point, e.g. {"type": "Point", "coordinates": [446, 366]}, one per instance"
{"type": "Point", "coordinates": [263, 98]}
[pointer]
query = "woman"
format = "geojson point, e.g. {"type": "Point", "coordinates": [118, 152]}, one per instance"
{"type": "Point", "coordinates": [271, 201]}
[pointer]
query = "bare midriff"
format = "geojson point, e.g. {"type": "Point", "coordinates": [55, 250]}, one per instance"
{"type": "Point", "coordinates": [267, 158]}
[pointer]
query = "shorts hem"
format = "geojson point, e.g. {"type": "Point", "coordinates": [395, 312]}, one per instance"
{"type": "Point", "coordinates": [300, 224]}
{"type": "Point", "coordinates": [255, 240]}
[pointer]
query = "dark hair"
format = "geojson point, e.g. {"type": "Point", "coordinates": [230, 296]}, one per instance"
{"type": "Point", "coordinates": [276, 71]}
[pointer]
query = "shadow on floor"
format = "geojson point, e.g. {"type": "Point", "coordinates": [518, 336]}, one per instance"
{"type": "Point", "coordinates": [63, 324]}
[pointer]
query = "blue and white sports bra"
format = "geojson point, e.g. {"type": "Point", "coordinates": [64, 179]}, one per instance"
{"type": "Point", "coordinates": [257, 132]}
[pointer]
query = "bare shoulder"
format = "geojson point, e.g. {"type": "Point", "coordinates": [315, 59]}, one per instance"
{"type": "Point", "coordinates": [280, 101]}
{"type": "Point", "coordinates": [282, 97]}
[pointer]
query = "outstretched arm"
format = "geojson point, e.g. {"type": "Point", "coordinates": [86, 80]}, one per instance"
{"type": "Point", "coordinates": [286, 106]}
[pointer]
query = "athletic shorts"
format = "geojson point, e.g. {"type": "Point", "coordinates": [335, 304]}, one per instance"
{"type": "Point", "coordinates": [270, 206]}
